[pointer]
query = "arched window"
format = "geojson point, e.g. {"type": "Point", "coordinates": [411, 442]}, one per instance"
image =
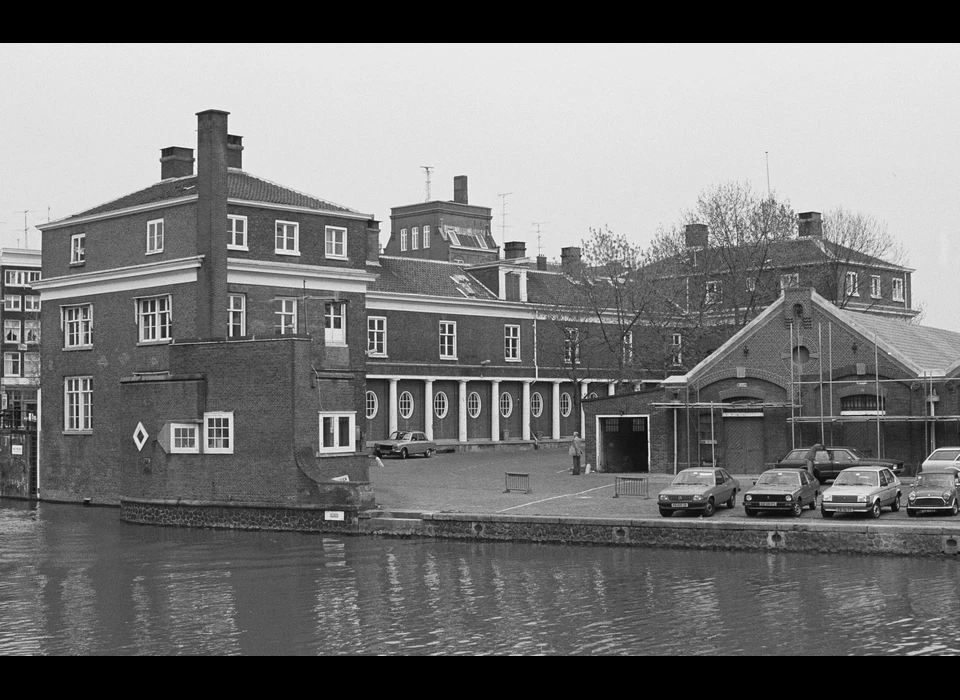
{"type": "Point", "coordinates": [860, 404]}
{"type": "Point", "coordinates": [536, 404]}
{"type": "Point", "coordinates": [801, 355]}
{"type": "Point", "coordinates": [406, 404]}
{"type": "Point", "coordinates": [565, 404]}
{"type": "Point", "coordinates": [440, 405]}
{"type": "Point", "coordinates": [506, 404]}
{"type": "Point", "coordinates": [372, 405]}
{"type": "Point", "coordinates": [473, 404]}
{"type": "Point", "coordinates": [592, 395]}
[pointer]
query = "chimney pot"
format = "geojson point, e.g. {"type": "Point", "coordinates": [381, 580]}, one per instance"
{"type": "Point", "coordinates": [460, 189]}
{"type": "Point", "coordinates": [542, 263]}
{"type": "Point", "coordinates": [514, 249]}
{"type": "Point", "coordinates": [810, 224]}
{"type": "Point", "coordinates": [176, 161]}
{"type": "Point", "coordinates": [569, 258]}
{"type": "Point", "coordinates": [234, 151]}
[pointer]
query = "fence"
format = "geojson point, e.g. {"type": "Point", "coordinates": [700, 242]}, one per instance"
{"type": "Point", "coordinates": [631, 486]}
{"type": "Point", "coordinates": [516, 481]}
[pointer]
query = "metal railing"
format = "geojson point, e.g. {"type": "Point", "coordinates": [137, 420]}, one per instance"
{"type": "Point", "coordinates": [517, 481]}
{"type": "Point", "coordinates": [631, 486]}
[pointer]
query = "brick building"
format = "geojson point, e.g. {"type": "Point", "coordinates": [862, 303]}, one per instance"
{"type": "Point", "coordinates": [802, 372]}
{"type": "Point", "coordinates": [204, 340]}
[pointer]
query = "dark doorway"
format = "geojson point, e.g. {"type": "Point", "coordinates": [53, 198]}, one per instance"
{"type": "Point", "coordinates": [624, 444]}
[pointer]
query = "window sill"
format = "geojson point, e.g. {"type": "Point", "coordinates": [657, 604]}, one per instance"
{"type": "Point", "coordinates": [77, 432]}
{"type": "Point", "coordinates": [336, 345]}
{"type": "Point", "coordinates": [154, 252]}
{"type": "Point", "coordinates": [237, 247]}
{"type": "Point", "coordinates": [78, 263]}
{"type": "Point", "coordinates": [336, 257]}
{"type": "Point", "coordinates": [451, 359]}
{"type": "Point", "coordinates": [508, 359]}
{"type": "Point", "coordinates": [147, 343]}
{"type": "Point", "coordinates": [379, 355]}
{"type": "Point", "coordinates": [78, 347]}
{"type": "Point", "coordinates": [295, 253]}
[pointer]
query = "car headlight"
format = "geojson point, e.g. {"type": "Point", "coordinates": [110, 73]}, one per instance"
{"type": "Point", "coordinates": [663, 497]}
{"type": "Point", "coordinates": [748, 497]}
{"type": "Point", "coordinates": [946, 495]}
{"type": "Point", "coordinates": [861, 499]}
{"type": "Point", "coordinates": [788, 499]}
{"type": "Point", "coordinates": [698, 497]}
{"type": "Point", "coordinates": [912, 496]}
{"type": "Point", "coordinates": [828, 496]}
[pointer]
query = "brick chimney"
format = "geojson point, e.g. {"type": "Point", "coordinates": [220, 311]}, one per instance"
{"type": "Point", "coordinates": [460, 189]}
{"type": "Point", "coordinates": [514, 249]}
{"type": "Point", "coordinates": [570, 259]}
{"type": "Point", "coordinates": [175, 161]}
{"type": "Point", "coordinates": [542, 263]}
{"type": "Point", "coordinates": [696, 235]}
{"type": "Point", "coordinates": [373, 241]}
{"type": "Point", "coordinates": [810, 224]}
{"type": "Point", "coordinates": [234, 151]}
{"type": "Point", "coordinates": [212, 223]}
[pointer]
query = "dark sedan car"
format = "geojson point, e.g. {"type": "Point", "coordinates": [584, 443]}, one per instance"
{"type": "Point", "coordinates": [698, 490]}
{"type": "Point", "coordinates": [830, 461]}
{"type": "Point", "coordinates": [782, 490]}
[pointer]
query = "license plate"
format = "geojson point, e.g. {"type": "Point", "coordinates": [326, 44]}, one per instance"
{"type": "Point", "coordinates": [767, 503]}
{"type": "Point", "coordinates": [842, 509]}
{"type": "Point", "coordinates": [678, 505]}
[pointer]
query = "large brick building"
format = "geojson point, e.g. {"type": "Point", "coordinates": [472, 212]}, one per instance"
{"type": "Point", "coordinates": [204, 340]}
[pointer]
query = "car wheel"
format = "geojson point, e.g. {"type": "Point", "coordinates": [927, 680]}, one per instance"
{"type": "Point", "coordinates": [797, 508]}
{"type": "Point", "coordinates": [825, 513]}
{"type": "Point", "coordinates": [913, 513]}
{"type": "Point", "coordinates": [956, 508]}
{"type": "Point", "coordinates": [732, 503]}
{"type": "Point", "coordinates": [895, 506]}
{"type": "Point", "coordinates": [874, 511]}
{"type": "Point", "coordinates": [429, 454]}
{"type": "Point", "coordinates": [751, 513]}
{"type": "Point", "coordinates": [403, 453]}
{"type": "Point", "coordinates": [709, 508]}
{"type": "Point", "coordinates": [666, 513]}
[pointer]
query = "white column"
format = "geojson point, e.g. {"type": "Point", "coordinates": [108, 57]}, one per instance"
{"type": "Point", "coordinates": [495, 410]}
{"type": "Point", "coordinates": [502, 280]}
{"type": "Point", "coordinates": [523, 285]}
{"type": "Point", "coordinates": [611, 388]}
{"type": "Point", "coordinates": [556, 410]}
{"type": "Point", "coordinates": [584, 390]}
{"type": "Point", "coordinates": [392, 403]}
{"type": "Point", "coordinates": [462, 412]}
{"type": "Point", "coordinates": [428, 408]}
{"type": "Point", "coordinates": [525, 407]}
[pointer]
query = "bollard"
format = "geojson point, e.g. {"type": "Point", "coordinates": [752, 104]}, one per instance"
{"type": "Point", "coordinates": [379, 462]}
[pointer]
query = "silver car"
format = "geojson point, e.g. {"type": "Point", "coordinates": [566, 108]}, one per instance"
{"type": "Point", "coordinates": [863, 490]}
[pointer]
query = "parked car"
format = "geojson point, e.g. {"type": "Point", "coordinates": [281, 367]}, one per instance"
{"type": "Point", "coordinates": [404, 443]}
{"type": "Point", "coordinates": [942, 457]}
{"type": "Point", "coordinates": [830, 461]}
{"type": "Point", "coordinates": [935, 490]}
{"type": "Point", "coordinates": [864, 489]}
{"type": "Point", "coordinates": [699, 490]}
{"type": "Point", "coordinates": [783, 490]}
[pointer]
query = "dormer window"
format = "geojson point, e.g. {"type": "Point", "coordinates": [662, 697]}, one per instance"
{"type": "Point", "coordinates": [78, 250]}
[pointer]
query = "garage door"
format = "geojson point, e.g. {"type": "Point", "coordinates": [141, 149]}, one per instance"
{"type": "Point", "coordinates": [744, 445]}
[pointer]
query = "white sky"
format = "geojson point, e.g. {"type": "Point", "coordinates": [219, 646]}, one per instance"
{"type": "Point", "coordinates": [581, 136]}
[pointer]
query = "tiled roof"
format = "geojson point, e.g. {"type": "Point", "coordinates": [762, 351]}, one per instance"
{"type": "Point", "coordinates": [931, 349]}
{"type": "Point", "coordinates": [240, 185]}
{"type": "Point", "coordinates": [428, 277]}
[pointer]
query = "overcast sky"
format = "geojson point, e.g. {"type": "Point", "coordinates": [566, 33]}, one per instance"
{"type": "Point", "coordinates": [576, 136]}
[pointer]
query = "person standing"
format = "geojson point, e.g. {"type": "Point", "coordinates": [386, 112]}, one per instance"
{"type": "Point", "coordinates": [812, 458]}
{"type": "Point", "coordinates": [576, 451]}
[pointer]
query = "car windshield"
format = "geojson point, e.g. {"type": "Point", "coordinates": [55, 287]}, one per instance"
{"type": "Point", "coordinates": [779, 479]}
{"type": "Point", "coordinates": [857, 478]}
{"type": "Point", "coordinates": [934, 481]}
{"type": "Point", "coordinates": [399, 435]}
{"type": "Point", "coordinates": [694, 478]}
{"type": "Point", "coordinates": [945, 455]}
{"type": "Point", "coordinates": [796, 454]}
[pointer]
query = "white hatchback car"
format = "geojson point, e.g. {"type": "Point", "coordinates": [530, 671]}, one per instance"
{"type": "Point", "coordinates": [942, 457]}
{"type": "Point", "coordinates": [862, 490]}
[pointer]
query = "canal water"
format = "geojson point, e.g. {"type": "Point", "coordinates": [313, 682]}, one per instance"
{"type": "Point", "coordinates": [77, 580]}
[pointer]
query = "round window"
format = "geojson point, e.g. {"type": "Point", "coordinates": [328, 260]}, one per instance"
{"type": "Point", "coordinates": [565, 404]}
{"type": "Point", "coordinates": [440, 405]}
{"type": "Point", "coordinates": [536, 404]}
{"type": "Point", "coordinates": [473, 404]}
{"type": "Point", "coordinates": [506, 404]}
{"type": "Point", "coordinates": [372, 405]}
{"type": "Point", "coordinates": [406, 404]}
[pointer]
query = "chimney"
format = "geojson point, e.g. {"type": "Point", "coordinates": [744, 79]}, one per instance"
{"type": "Point", "coordinates": [810, 224]}
{"type": "Point", "coordinates": [569, 259]}
{"type": "Point", "coordinates": [460, 189]}
{"type": "Point", "coordinates": [514, 249]}
{"type": "Point", "coordinates": [234, 151]}
{"type": "Point", "coordinates": [542, 263]}
{"type": "Point", "coordinates": [211, 223]}
{"type": "Point", "coordinates": [176, 162]}
{"type": "Point", "coordinates": [373, 241]}
{"type": "Point", "coordinates": [696, 235]}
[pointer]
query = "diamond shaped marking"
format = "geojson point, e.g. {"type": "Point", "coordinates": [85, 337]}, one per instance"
{"type": "Point", "coordinates": [140, 436]}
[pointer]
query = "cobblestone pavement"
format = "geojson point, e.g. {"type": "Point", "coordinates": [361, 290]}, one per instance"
{"type": "Point", "coordinates": [473, 482]}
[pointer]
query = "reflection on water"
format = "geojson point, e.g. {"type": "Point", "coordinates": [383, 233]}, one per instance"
{"type": "Point", "coordinates": [78, 581]}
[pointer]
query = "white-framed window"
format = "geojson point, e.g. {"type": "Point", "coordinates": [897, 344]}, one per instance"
{"type": "Point", "coordinates": [12, 364]}
{"type": "Point", "coordinates": [791, 280]}
{"type": "Point", "coordinates": [77, 326]}
{"type": "Point", "coordinates": [284, 316]}
{"type": "Point", "coordinates": [536, 404]}
{"type": "Point", "coordinates": [511, 343]}
{"type": "Point", "coordinates": [405, 404]}
{"type": "Point", "coordinates": [237, 232]}
{"type": "Point", "coordinates": [31, 364]}
{"type": "Point", "coordinates": [440, 405]}
{"type": "Point", "coordinates": [77, 404]}
{"type": "Point", "coordinates": [571, 346]}
{"type": "Point", "coordinates": [338, 432]}
{"type": "Point", "coordinates": [20, 278]}
{"type": "Point", "coordinates": [474, 404]}
{"type": "Point", "coordinates": [566, 405]}
{"type": "Point", "coordinates": [875, 288]}
{"type": "Point", "coordinates": [12, 331]}
{"type": "Point", "coordinates": [898, 294]}
{"type": "Point", "coordinates": [414, 238]}
{"type": "Point", "coordinates": [403, 239]}
{"type": "Point", "coordinates": [12, 302]}
{"type": "Point", "coordinates": [677, 347]}
{"type": "Point", "coordinates": [78, 248]}
{"type": "Point", "coordinates": [335, 323]}
{"type": "Point", "coordinates": [628, 348]}
{"type": "Point", "coordinates": [237, 315]}
{"type": "Point", "coordinates": [31, 302]}
{"type": "Point", "coordinates": [377, 336]}
{"type": "Point", "coordinates": [426, 236]}
{"type": "Point", "coordinates": [506, 404]}
{"type": "Point", "coordinates": [287, 238]}
{"type": "Point", "coordinates": [154, 236]}
{"type": "Point", "coordinates": [851, 287]}
{"type": "Point", "coordinates": [184, 438]}
{"type": "Point", "coordinates": [31, 331]}
{"type": "Point", "coordinates": [372, 404]}
{"type": "Point", "coordinates": [751, 285]}
{"type": "Point", "coordinates": [335, 242]}
{"type": "Point", "coordinates": [713, 292]}
{"type": "Point", "coordinates": [448, 340]}
{"type": "Point", "coordinates": [218, 432]}
{"type": "Point", "coordinates": [154, 319]}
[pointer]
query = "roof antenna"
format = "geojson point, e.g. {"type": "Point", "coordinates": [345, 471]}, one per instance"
{"type": "Point", "coordinates": [767, 153]}
{"type": "Point", "coordinates": [427, 169]}
{"type": "Point", "coordinates": [537, 224]}
{"type": "Point", "coordinates": [503, 215]}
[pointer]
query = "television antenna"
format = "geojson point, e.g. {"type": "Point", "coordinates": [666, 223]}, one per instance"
{"type": "Point", "coordinates": [26, 228]}
{"type": "Point", "coordinates": [427, 169]}
{"type": "Point", "coordinates": [503, 215]}
{"type": "Point", "coordinates": [538, 224]}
